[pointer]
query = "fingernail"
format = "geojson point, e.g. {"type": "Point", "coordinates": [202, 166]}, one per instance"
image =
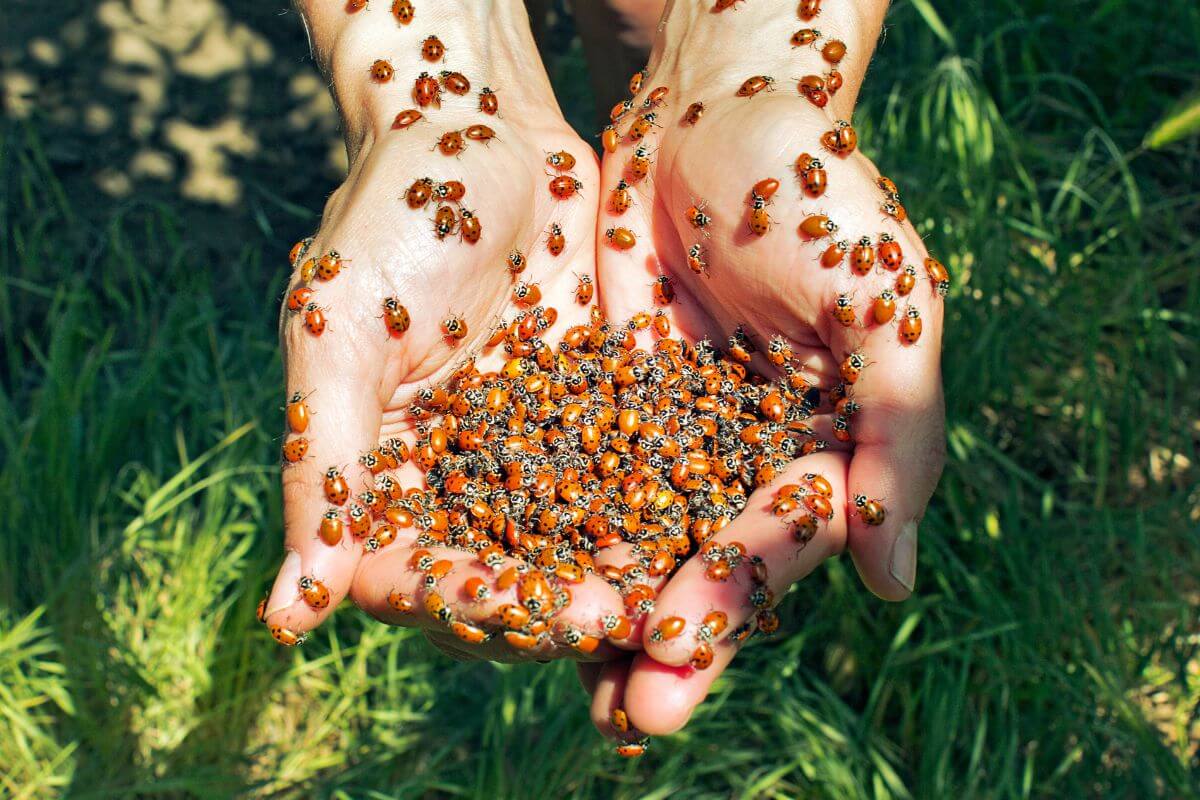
{"type": "Point", "coordinates": [904, 557]}
{"type": "Point", "coordinates": [284, 594]}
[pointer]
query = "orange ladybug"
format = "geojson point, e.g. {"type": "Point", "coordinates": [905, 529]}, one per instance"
{"type": "Point", "coordinates": [664, 291]}
{"type": "Point", "coordinates": [698, 219]}
{"type": "Point", "coordinates": [765, 189]}
{"type": "Point", "coordinates": [399, 602]}
{"type": "Point", "coordinates": [427, 91]}
{"type": "Point", "coordinates": [432, 49]}
{"type": "Point", "coordinates": [469, 227]}
{"type": "Point", "coordinates": [635, 80]}
{"type": "Point", "coordinates": [314, 319]}
{"type": "Point", "coordinates": [286, 636]}
{"type": "Point", "coordinates": [842, 140]}
{"type": "Point", "coordinates": [515, 262]}
{"type": "Point", "coordinates": [403, 11]}
{"type": "Point", "coordinates": [852, 367]}
{"type": "Point", "coordinates": [395, 316]}
{"type": "Point", "coordinates": [555, 241]}
{"type": "Point", "coordinates": [812, 88]}
{"type": "Point", "coordinates": [406, 119]}
{"type": "Point", "coordinates": [695, 260]}
{"type": "Point", "coordinates": [295, 449]}
{"type": "Point", "coordinates": [869, 511]}
{"type": "Point", "coordinates": [667, 629]}
{"type": "Point", "coordinates": [834, 51]}
{"type": "Point", "coordinates": [884, 307]}
{"type": "Point", "coordinates": [355, 6]}
{"type": "Point", "coordinates": [813, 178]}
{"type": "Point", "coordinates": [702, 657]}
{"type": "Point", "coordinates": [620, 199]}
{"type": "Point", "coordinates": [526, 295]}
{"type": "Point", "coordinates": [419, 193]}
{"type": "Point", "coordinates": [804, 37]}
{"type": "Point", "coordinates": [843, 310]}
{"type": "Point", "coordinates": [910, 326]}
{"type": "Point", "coordinates": [445, 222]}
{"type": "Point", "coordinates": [454, 327]}
{"type": "Point", "coordinates": [657, 95]}
{"type": "Point", "coordinates": [337, 491]}
{"type": "Point", "coordinates": [641, 126]}
{"type": "Point", "coordinates": [895, 210]}
{"type": "Point", "coordinates": [817, 226]}
{"type": "Point", "coordinates": [809, 9]}
{"type": "Point", "coordinates": [488, 103]}
{"type": "Point", "coordinates": [564, 187]}
{"type": "Point", "coordinates": [693, 113]}
{"type": "Point", "coordinates": [621, 238]}
{"type": "Point", "coordinates": [609, 138]}
{"type": "Point", "coordinates": [299, 249]}
{"type": "Point", "coordinates": [332, 527]}
{"type": "Point", "coordinates": [480, 133]}
{"type": "Point", "coordinates": [889, 252]}
{"type": "Point", "coordinates": [835, 254]}
{"type": "Point", "coordinates": [561, 161]}
{"type": "Point", "coordinates": [314, 592]}
{"type": "Point", "coordinates": [381, 71]}
{"type": "Point", "coordinates": [938, 275]}
{"type": "Point", "coordinates": [633, 749]}
{"type": "Point", "coordinates": [329, 265]}
{"type": "Point", "coordinates": [299, 298]}
{"type": "Point", "coordinates": [639, 163]}
{"type": "Point", "coordinates": [662, 324]}
{"type": "Point", "coordinates": [454, 82]}
{"type": "Point", "coordinates": [584, 290]}
{"type": "Point", "coordinates": [906, 281]}
{"type": "Point", "coordinates": [760, 219]}
{"type": "Point", "coordinates": [755, 84]}
{"type": "Point", "coordinates": [451, 143]}
{"type": "Point", "coordinates": [297, 413]}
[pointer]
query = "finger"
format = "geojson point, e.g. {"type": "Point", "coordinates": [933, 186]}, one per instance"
{"type": "Point", "coordinates": [899, 445]}
{"type": "Point", "coordinates": [629, 570]}
{"type": "Point", "coordinates": [344, 418]}
{"type": "Point", "coordinates": [698, 609]}
{"type": "Point", "coordinates": [659, 699]}
{"type": "Point", "coordinates": [588, 673]}
{"type": "Point", "coordinates": [608, 697]}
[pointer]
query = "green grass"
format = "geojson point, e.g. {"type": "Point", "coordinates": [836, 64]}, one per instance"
{"type": "Point", "coordinates": [1051, 650]}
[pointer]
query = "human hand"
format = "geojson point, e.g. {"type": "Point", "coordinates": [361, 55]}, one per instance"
{"type": "Point", "coordinates": [773, 284]}
{"type": "Point", "coordinates": [358, 378]}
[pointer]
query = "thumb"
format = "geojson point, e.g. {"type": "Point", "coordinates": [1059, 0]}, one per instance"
{"type": "Point", "coordinates": [336, 414]}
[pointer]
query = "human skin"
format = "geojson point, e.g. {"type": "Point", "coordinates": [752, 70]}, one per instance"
{"type": "Point", "coordinates": [771, 284]}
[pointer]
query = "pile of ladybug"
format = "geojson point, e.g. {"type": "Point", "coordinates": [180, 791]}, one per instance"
{"type": "Point", "coordinates": [567, 450]}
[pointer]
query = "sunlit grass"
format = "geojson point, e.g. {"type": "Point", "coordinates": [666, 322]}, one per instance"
{"type": "Point", "coordinates": [1051, 650]}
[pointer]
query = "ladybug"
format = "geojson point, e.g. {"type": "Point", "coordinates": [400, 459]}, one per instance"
{"type": "Point", "coordinates": [817, 226]}
{"type": "Point", "coordinates": [427, 91]}
{"type": "Point", "coordinates": [693, 113]}
{"type": "Point", "coordinates": [812, 88]}
{"type": "Point", "coordinates": [609, 138]}
{"type": "Point", "coordinates": [804, 37]}
{"type": "Point", "coordinates": [619, 720]}
{"type": "Point", "coordinates": [337, 491]}
{"type": "Point", "coordinates": [406, 119]}
{"type": "Point", "coordinates": [555, 241]}
{"type": "Point", "coordinates": [299, 249]}
{"type": "Point", "coordinates": [764, 189]}
{"type": "Point", "coordinates": [695, 260]}
{"type": "Point", "coordinates": [450, 191]}
{"type": "Point", "coordinates": [403, 11]}
{"type": "Point", "coordinates": [526, 295]}
{"type": "Point", "coordinates": [906, 281]}
{"type": "Point", "coordinates": [445, 222]}
{"type": "Point", "coordinates": [621, 238]}
{"type": "Point", "coordinates": [910, 326]}
{"type": "Point", "coordinates": [834, 51]}
{"type": "Point", "coordinates": [286, 636]}
{"type": "Point", "coordinates": [314, 592]}
{"type": "Point", "coordinates": [888, 187]}
{"type": "Point", "coordinates": [722, 5]}
{"type": "Point", "coordinates": [355, 6]}
{"type": "Point", "coordinates": [639, 163]}
{"type": "Point", "coordinates": [561, 161]}
{"type": "Point", "coordinates": [454, 82]}
{"type": "Point", "coordinates": [451, 143]}
{"type": "Point", "coordinates": [889, 252]}
{"type": "Point", "coordinates": [809, 9]}
{"type": "Point", "coordinates": [869, 511]}
{"type": "Point", "coordinates": [895, 210]}
{"type": "Point", "coordinates": [760, 218]}
{"type": "Point", "coordinates": [564, 187]}
{"type": "Point", "coordinates": [620, 199]}
{"type": "Point", "coordinates": [779, 352]}
{"type": "Point", "coordinates": [480, 133]}
{"type": "Point", "coordinates": [297, 413]}
{"type": "Point", "coordinates": [620, 110]}
{"type": "Point", "coordinates": [696, 216]}
{"type": "Point", "coordinates": [664, 291]}
{"type": "Point", "coordinates": [835, 254]}
{"type": "Point", "coordinates": [842, 140]}
{"type": "Point", "coordinates": [488, 103]}
{"type": "Point", "coordinates": [862, 256]}
{"type": "Point", "coordinates": [399, 602]}
{"type": "Point", "coordinates": [419, 193]}
{"type": "Point", "coordinates": [299, 298]}
{"type": "Point", "coordinates": [308, 270]}
{"type": "Point", "coordinates": [516, 262]}
{"type": "Point", "coordinates": [843, 310]}
{"type": "Point", "coordinates": [469, 227]}
{"type": "Point", "coordinates": [813, 178]}
{"type": "Point", "coordinates": [662, 324]}
{"type": "Point", "coordinates": [314, 319]}
{"type": "Point", "coordinates": [635, 80]}
{"type": "Point", "coordinates": [938, 275]}
{"type": "Point", "coordinates": [841, 429]}
{"type": "Point", "coordinates": [432, 49]}
{"type": "Point", "coordinates": [329, 265]}
{"type": "Point", "coordinates": [295, 449]}
{"type": "Point", "coordinates": [667, 629]}
{"type": "Point", "coordinates": [454, 327]}
{"type": "Point", "coordinates": [584, 290]}
{"type": "Point", "coordinates": [395, 317]}
{"type": "Point", "coordinates": [833, 81]}
{"type": "Point", "coordinates": [852, 367]}
{"type": "Point", "coordinates": [657, 95]}
{"type": "Point", "coordinates": [468, 633]}
{"type": "Point", "coordinates": [768, 621]}
{"type": "Point", "coordinates": [332, 527]}
{"type": "Point", "coordinates": [753, 85]}
{"type": "Point", "coordinates": [633, 749]}
{"type": "Point", "coordinates": [702, 657]}
{"type": "Point", "coordinates": [381, 71]}
{"type": "Point", "coordinates": [641, 126]}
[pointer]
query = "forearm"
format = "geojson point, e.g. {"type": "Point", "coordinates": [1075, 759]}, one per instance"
{"type": "Point", "coordinates": [699, 46]}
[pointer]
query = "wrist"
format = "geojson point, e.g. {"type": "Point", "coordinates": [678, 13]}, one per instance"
{"type": "Point", "coordinates": [488, 41]}
{"type": "Point", "coordinates": [696, 48]}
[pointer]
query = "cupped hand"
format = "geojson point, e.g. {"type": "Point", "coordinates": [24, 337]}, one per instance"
{"type": "Point", "coordinates": [759, 271]}
{"type": "Point", "coordinates": [360, 375]}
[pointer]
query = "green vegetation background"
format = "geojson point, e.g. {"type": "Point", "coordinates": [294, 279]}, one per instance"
{"type": "Point", "coordinates": [149, 192]}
